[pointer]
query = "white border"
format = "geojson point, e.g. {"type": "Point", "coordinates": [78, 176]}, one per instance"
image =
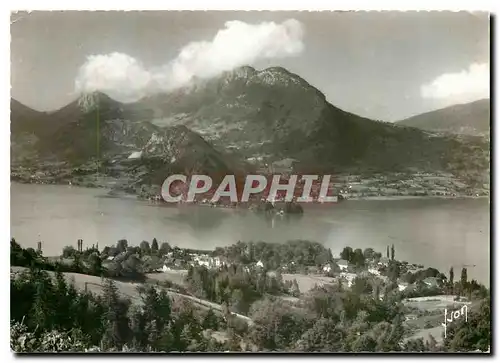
{"type": "Point", "coordinates": [482, 5]}
{"type": "Point", "coordinates": [259, 5]}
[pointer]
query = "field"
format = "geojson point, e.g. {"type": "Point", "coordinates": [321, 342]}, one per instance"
{"type": "Point", "coordinates": [174, 276]}
{"type": "Point", "coordinates": [307, 282]}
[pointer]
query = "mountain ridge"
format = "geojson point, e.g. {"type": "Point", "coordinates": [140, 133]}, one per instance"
{"type": "Point", "coordinates": [471, 118]}
{"type": "Point", "coordinates": [262, 115]}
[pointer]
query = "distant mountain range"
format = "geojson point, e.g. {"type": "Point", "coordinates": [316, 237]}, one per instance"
{"type": "Point", "coordinates": [245, 114]}
{"type": "Point", "coordinates": [469, 118]}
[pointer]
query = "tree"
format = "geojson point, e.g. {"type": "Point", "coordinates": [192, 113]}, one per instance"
{"type": "Point", "coordinates": [154, 246]}
{"type": "Point", "coordinates": [364, 343]}
{"type": "Point", "coordinates": [122, 245]}
{"type": "Point", "coordinates": [414, 345]}
{"type": "Point", "coordinates": [451, 279]}
{"type": "Point", "coordinates": [42, 313]}
{"type": "Point", "coordinates": [369, 253]}
{"type": "Point", "coordinates": [463, 278]}
{"type": "Point", "coordinates": [276, 326]}
{"type": "Point", "coordinates": [76, 265]}
{"type": "Point", "coordinates": [145, 248]}
{"type": "Point", "coordinates": [387, 251]}
{"type": "Point", "coordinates": [210, 321]}
{"type": "Point", "coordinates": [361, 286]}
{"type": "Point", "coordinates": [117, 329]}
{"type": "Point", "coordinates": [431, 345]}
{"type": "Point", "coordinates": [68, 251]}
{"type": "Point", "coordinates": [234, 342]}
{"type": "Point", "coordinates": [392, 252]}
{"type": "Point", "coordinates": [138, 329]}
{"type": "Point", "coordinates": [376, 292]}
{"type": "Point", "coordinates": [357, 258]}
{"type": "Point", "coordinates": [475, 334]}
{"type": "Point", "coordinates": [330, 255]}
{"type": "Point", "coordinates": [295, 288]}
{"type": "Point", "coordinates": [164, 248]}
{"type": "Point", "coordinates": [346, 253]}
{"type": "Point", "coordinates": [324, 336]}
{"type": "Point", "coordinates": [132, 267]}
{"type": "Point", "coordinates": [393, 271]}
{"type": "Point", "coordinates": [95, 264]}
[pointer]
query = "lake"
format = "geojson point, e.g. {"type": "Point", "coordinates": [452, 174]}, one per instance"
{"type": "Point", "coordinates": [434, 232]}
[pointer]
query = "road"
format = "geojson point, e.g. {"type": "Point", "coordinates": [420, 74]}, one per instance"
{"type": "Point", "coordinates": [94, 284]}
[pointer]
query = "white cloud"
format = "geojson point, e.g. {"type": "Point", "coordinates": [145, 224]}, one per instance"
{"type": "Point", "coordinates": [116, 74]}
{"type": "Point", "coordinates": [467, 85]}
{"type": "Point", "coordinates": [125, 78]}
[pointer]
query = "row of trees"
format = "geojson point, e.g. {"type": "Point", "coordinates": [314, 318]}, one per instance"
{"type": "Point", "coordinates": [127, 265]}
{"type": "Point", "coordinates": [296, 253]}
{"type": "Point", "coordinates": [464, 286]}
{"type": "Point", "coordinates": [237, 287]}
{"type": "Point", "coordinates": [51, 315]}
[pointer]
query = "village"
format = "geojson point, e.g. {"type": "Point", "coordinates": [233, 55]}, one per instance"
{"type": "Point", "coordinates": [338, 270]}
{"type": "Point", "coordinates": [292, 272]}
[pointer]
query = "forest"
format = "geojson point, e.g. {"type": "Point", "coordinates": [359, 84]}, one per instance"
{"type": "Point", "coordinates": [49, 314]}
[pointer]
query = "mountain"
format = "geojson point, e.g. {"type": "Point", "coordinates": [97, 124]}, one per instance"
{"type": "Point", "coordinates": [23, 118]}
{"type": "Point", "coordinates": [25, 124]}
{"type": "Point", "coordinates": [274, 114]}
{"type": "Point", "coordinates": [470, 118]}
{"type": "Point", "coordinates": [110, 131]}
{"type": "Point", "coordinates": [267, 115]}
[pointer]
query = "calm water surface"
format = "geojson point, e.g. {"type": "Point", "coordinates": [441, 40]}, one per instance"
{"type": "Point", "coordinates": [434, 232]}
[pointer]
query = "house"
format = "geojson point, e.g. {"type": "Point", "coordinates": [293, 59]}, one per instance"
{"type": "Point", "coordinates": [327, 268]}
{"type": "Point", "coordinates": [384, 261]}
{"type": "Point", "coordinates": [216, 262]}
{"type": "Point", "coordinates": [259, 264]}
{"type": "Point", "coordinates": [374, 271]}
{"type": "Point", "coordinates": [165, 268]}
{"type": "Point", "coordinates": [402, 285]}
{"type": "Point", "coordinates": [343, 264]}
{"type": "Point", "coordinates": [349, 277]}
{"type": "Point", "coordinates": [204, 263]}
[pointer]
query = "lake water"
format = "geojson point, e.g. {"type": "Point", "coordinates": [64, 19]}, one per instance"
{"type": "Point", "coordinates": [435, 232]}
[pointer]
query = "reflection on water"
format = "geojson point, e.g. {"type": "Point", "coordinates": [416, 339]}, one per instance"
{"type": "Point", "coordinates": [200, 219]}
{"type": "Point", "coordinates": [278, 221]}
{"type": "Point", "coordinates": [433, 232]}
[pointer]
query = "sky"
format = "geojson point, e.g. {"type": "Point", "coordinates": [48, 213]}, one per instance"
{"type": "Point", "coordinates": [382, 65]}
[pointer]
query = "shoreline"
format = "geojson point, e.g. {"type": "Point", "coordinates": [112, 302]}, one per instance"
{"type": "Point", "coordinates": [405, 197]}
{"type": "Point", "coordinates": [125, 195]}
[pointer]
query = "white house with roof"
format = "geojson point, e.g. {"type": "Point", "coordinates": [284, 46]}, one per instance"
{"type": "Point", "coordinates": [327, 268]}
{"type": "Point", "coordinates": [349, 277]}
{"type": "Point", "coordinates": [384, 261]}
{"type": "Point", "coordinates": [431, 281]}
{"type": "Point", "coordinates": [343, 264]}
{"type": "Point", "coordinates": [259, 264]}
{"type": "Point", "coordinates": [374, 270]}
{"type": "Point", "coordinates": [402, 285]}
